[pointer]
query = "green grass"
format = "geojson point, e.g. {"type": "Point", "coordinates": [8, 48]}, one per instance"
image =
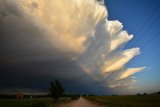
{"type": "Point", "coordinates": [127, 101]}
{"type": "Point", "coordinates": [36, 102]}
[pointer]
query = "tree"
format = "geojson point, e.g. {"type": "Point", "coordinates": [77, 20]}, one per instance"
{"type": "Point", "coordinates": [56, 89]}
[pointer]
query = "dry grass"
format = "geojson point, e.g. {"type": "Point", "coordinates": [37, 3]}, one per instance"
{"type": "Point", "coordinates": [127, 101]}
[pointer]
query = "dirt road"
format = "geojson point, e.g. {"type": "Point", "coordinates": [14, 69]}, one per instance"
{"type": "Point", "coordinates": [81, 102]}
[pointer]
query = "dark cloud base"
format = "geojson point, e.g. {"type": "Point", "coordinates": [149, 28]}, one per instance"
{"type": "Point", "coordinates": [28, 60]}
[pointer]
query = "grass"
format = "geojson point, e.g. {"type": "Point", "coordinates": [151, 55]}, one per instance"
{"type": "Point", "coordinates": [36, 102]}
{"type": "Point", "coordinates": [106, 101]}
{"type": "Point", "coordinates": [127, 101]}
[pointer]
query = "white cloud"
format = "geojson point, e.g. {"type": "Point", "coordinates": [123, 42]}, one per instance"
{"type": "Point", "coordinates": [129, 72]}
{"type": "Point", "coordinates": [119, 62]}
{"type": "Point", "coordinates": [69, 26]}
{"type": "Point", "coordinates": [113, 27]}
{"type": "Point", "coordinates": [122, 38]}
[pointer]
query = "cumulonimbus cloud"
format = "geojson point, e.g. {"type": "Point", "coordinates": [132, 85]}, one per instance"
{"type": "Point", "coordinates": [121, 60]}
{"type": "Point", "coordinates": [129, 72]}
{"type": "Point", "coordinates": [81, 30]}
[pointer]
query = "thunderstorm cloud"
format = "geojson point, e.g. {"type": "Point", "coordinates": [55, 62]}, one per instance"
{"type": "Point", "coordinates": [66, 38]}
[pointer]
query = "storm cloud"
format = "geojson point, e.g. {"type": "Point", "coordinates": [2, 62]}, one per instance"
{"type": "Point", "coordinates": [46, 39]}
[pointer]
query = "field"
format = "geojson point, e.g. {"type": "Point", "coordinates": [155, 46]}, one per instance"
{"type": "Point", "coordinates": [103, 101]}
{"type": "Point", "coordinates": [127, 101]}
{"type": "Point", "coordinates": [37, 102]}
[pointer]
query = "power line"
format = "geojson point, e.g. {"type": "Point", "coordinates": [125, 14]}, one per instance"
{"type": "Point", "coordinates": [149, 9]}
{"type": "Point", "coordinates": [145, 24]}
{"type": "Point", "coordinates": [143, 34]}
{"type": "Point", "coordinates": [154, 11]}
{"type": "Point", "coordinates": [155, 36]}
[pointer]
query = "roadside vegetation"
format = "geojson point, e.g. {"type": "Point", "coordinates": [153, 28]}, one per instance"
{"type": "Point", "coordinates": [35, 102]}
{"type": "Point", "coordinates": [56, 98]}
{"type": "Point", "coordinates": [152, 100]}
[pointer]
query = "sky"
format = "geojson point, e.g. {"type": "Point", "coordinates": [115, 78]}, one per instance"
{"type": "Point", "coordinates": [134, 14]}
{"type": "Point", "coordinates": [90, 50]}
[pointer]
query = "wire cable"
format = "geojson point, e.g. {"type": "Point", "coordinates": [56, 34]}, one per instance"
{"type": "Point", "coordinates": [154, 11]}
{"type": "Point", "coordinates": [143, 34]}
{"type": "Point", "coordinates": [149, 41]}
{"type": "Point", "coordinates": [148, 10]}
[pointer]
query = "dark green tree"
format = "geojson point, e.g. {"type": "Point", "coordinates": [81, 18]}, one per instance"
{"type": "Point", "coordinates": [56, 89]}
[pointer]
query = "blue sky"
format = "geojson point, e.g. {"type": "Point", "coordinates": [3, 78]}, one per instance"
{"type": "Point", "coordinates": [134, 14]}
